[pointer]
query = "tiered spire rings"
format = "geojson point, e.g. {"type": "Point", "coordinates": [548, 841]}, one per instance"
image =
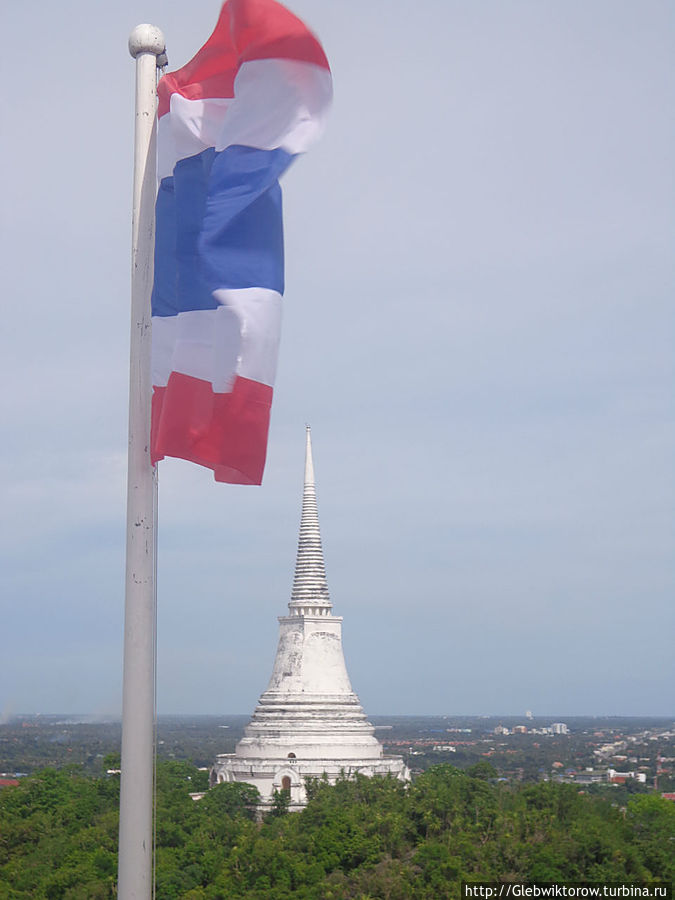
{"type": "Point", "coordinates": [309, 596]}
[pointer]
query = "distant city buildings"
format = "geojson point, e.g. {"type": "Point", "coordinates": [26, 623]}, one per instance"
{"type": "Point", "coordinates": [615, 777]}
{"type": "Point", "coordinates": [555, 728]}
{"type": "Point", "coordinates": [595, 776]}
{"type": "Point", "coordinates": [8, 782]}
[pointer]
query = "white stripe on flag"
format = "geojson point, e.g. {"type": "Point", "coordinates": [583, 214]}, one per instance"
{"type": "Point", "coordinates": [240, 337]}
{"type": "Point", "coordinates": [189, 127]}
{"type": "Point", "coordinates": [278, 103]}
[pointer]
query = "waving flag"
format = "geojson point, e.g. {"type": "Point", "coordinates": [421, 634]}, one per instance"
{"type": "Point", "coordinates": [230, 122]}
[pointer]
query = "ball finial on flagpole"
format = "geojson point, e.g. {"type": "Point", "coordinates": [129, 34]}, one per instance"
{"type": "Point", "coordinates": [146, 39]}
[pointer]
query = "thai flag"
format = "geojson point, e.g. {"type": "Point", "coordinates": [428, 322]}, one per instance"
{"type": "Point", "coordinates": [230, 122]}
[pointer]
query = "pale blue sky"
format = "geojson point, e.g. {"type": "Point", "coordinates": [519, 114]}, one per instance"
{"type": "Point", "coordinates": [478, 326]}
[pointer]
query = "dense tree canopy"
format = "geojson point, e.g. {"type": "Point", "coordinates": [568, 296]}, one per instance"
{"type": "Point", "coordinates": [361, 839]}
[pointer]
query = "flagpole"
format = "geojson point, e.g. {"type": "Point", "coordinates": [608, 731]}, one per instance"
{"type": "Point", "coordinates": [135, 874]}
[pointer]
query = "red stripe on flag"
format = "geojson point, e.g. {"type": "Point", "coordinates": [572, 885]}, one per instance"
{"type": "Point", "coordinates": [224, 432]}
{"type": "Point", "coordinates": [246, 30]}
{"type": "Point", "coordinates": [264, 29]}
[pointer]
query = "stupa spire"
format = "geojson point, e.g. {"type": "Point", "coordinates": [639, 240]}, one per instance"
{"type": "Point", "coordinates": [309, 723]}
{"type": "Point", "coordinates": [310, 588]}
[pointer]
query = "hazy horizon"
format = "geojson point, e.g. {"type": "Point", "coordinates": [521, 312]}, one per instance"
{"type": "Point", "coordinates": [93, 718]}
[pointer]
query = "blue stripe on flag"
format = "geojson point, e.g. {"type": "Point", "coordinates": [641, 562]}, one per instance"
{"type": "Point", "coordinates": [228, 206]}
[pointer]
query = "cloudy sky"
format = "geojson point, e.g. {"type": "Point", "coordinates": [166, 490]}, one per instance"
{"type": "Point", "coordinates": [478, 326]}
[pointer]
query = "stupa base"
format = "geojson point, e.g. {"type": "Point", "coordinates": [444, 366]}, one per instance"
{"type": "Point", "coordinates": [290, 775]}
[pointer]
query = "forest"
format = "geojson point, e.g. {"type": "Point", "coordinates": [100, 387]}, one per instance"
{"type": "Point", "coordinates": [361, 839]}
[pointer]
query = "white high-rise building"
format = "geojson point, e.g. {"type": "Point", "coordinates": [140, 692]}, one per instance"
{"type": "Point", "coordinates": [309, 722]}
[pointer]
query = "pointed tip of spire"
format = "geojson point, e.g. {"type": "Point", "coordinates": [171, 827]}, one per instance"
{"type": "Point", "coordinates": [309, 464]}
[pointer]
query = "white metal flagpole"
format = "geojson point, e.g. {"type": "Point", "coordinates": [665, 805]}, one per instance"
{"type": "Point", "coordinates": [135, 872]}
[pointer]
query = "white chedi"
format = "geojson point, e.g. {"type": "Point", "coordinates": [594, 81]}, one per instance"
{"type": "Point", "coordinates": [309, 722]}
